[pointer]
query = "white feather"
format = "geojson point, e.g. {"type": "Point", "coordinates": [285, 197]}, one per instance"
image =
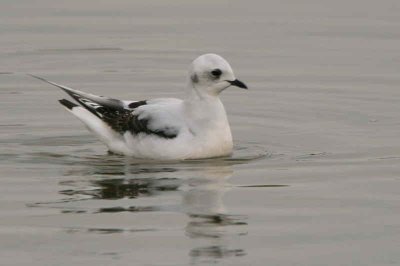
{"type": "Point", "coordinates": [199, 120]}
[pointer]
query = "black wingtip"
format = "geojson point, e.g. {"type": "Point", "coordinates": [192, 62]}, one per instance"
{"type": "Point", "coordinates": [37, 77]}
{"type": "Point", "coordinates": [68, 104]}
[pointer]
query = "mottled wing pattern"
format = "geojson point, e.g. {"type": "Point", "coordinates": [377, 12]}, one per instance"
{"type": "Point", "coordinates": [115, 113]}
{"type": "Point", "coordinates": [124, 120]}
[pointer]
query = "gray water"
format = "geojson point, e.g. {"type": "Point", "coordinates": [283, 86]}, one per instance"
{"type": "Point", "coordinates": [314, 179]}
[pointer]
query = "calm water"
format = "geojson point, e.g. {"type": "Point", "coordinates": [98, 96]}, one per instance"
{"type": "Point", "coordinates": [315, 177]}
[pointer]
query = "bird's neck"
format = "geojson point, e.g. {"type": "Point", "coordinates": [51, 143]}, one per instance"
{"type": "Point", "coordinates": [207, 121]}
{"type": "Point", "coordinates": [206, 111]}
{"type": "Point", "coordinates": [198, 101]}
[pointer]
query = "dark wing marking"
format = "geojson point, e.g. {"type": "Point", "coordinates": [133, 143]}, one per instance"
{"type": "Point", "coordinates": [134, 105]}
{"type": "Point", "coordinates": [68, 104]}
{"type": "Point", "coordinates": [123, 121]}
{"type": "Point", "coordinates": [113, 113]}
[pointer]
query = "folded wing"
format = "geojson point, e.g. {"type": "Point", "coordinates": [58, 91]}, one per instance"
{"type": "Point", "coordinates": [136, 117]}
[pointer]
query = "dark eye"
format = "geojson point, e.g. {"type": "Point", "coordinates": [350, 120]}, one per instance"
{"type": "Point", "coordinates": [216, 73]}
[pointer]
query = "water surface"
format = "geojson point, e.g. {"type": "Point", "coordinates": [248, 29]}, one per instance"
{"type": "Point", "coordinates": [314, 179]}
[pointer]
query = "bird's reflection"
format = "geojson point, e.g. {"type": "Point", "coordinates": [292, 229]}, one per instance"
{"type": "Point", "coordinates": [119, 188]}
{"type": "Point", "coordinates": [213, 231]}
{"type": "Point", "coordinates": [209, 218]}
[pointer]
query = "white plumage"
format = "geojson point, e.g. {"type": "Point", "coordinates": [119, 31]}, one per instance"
{"type": "Point", "coordinates": [164, 129]}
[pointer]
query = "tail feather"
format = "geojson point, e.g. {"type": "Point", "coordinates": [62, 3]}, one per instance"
{"type": "Point", "coordinates": [90, 101]}
{"type": "Point", "coordinates": [99, 128]}
{"type": "Point", "coordinates": [91, 111]}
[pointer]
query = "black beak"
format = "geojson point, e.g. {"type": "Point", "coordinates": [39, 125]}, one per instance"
{"type": "Point", "coordinates": [238, 83]}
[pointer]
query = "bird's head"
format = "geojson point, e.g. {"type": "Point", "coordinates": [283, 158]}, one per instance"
{"type": "Point", "coordinates": [211, 74]}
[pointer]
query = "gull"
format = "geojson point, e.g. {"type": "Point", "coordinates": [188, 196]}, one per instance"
{"type": "Point", "coordinates": [195, 127]}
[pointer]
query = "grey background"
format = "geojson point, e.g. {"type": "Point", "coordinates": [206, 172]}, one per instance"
{"type": "Point", "coordinates": [314, 179]}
